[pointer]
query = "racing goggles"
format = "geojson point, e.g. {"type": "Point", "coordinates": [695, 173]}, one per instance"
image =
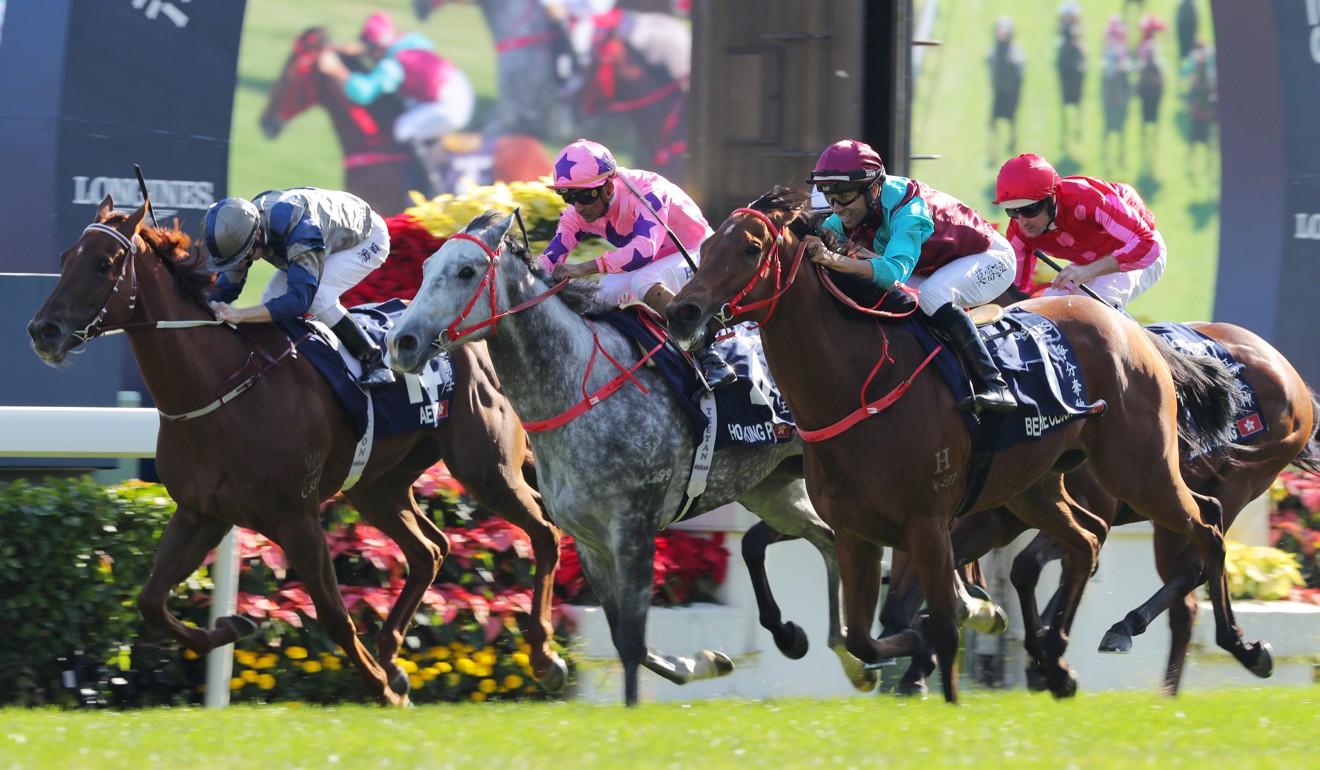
{"type": "Point", "coordinates": [842, 193]}
{"type": "Point", "coordinates": [1028, 211]}
{"type": "Point", "coordinates": [583, 195]}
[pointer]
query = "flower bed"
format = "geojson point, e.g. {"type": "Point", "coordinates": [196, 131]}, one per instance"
{"type": "Point", "coordinates": [1295, 528]}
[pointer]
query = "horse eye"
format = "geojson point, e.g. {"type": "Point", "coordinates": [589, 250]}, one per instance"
{"type": "Point", "coordinates": [752, 251]}
{"type": "Point", "coordinates": [102, 266]}
{"type": "Point", "coordinates": [467, 272]}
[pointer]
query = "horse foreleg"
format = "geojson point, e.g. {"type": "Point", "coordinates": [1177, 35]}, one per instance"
{"type": "Point", "coordinates": [898, 613]}
{"type": "Point", "coordinates": [398, 517]}
{"type": "Point", "coordinates": [303, 541]}
{"type": "Point", "coordinates": [781, 501]}
{"type": "Point", "coordinates": [789, 637]}
{"type": "Point", "coordinates": [184, 545]}
{"type": "Point", "coordinates": [859, 572]}
{"type": "Point", "coordinates": [1180, 566]}
{"type": "Point", "coordinates": [1025, 576]}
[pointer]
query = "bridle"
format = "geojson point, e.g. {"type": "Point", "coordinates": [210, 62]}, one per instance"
{"type": "Point", "coordinates": [770, 258]}
{"type": "Point", "coordinates": [127, 269]}
{"type": "Point", "coordinates": [487, 285]}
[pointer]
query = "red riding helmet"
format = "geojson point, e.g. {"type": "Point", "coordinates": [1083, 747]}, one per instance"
{"type": "Point", "coordinates": [847, 161]}
{"type": "Point", "coordinates": [1025, 180]}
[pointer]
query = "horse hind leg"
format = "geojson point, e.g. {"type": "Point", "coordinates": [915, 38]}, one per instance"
{"type": "Point", "coordinates": [184, 545]}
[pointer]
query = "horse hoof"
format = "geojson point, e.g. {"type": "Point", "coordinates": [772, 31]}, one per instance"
{"type": "Point", "coordinates": [1264, 665]}
{"type": "Point", "coordinates": [978, 592]}
{"type": "Point", "coordinates": [912, 689]}
{"type": "Point", "coordinates": [1068, 687]}
{"type": "Point", "coordinates": [716, 664]}
{"type": "Point", "coordinates": [795, 645]}
{"type": "Point", "coordinates": [400, 684]}
{"type": "Point", "coordinates": [1116, 642]}
{"type": "Point", "coordinates": [1036, 681]}
{"type": "Point", "coordinates": [240, 625]}
{"type": "Point", "coordinates": [556, 679]}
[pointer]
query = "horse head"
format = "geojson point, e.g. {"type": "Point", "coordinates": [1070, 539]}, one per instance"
{"type": "Point", "coordinates": [746, 265]}
{"type": "Point", "coordinates": [295, 89]}
{"type": "Point", "coordinates": [92, 273]}
{"type": "Point", "coordinates": [460, 297]}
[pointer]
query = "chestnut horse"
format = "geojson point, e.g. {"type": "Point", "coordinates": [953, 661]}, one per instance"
{"type": "Point", "coordinates": [266, 459]}
{"type": "Point", "coordinates": [377, 168]}
{"type": "Point", "coordinates": [892, 472]}
{"type": "Point", "coordinates": [1288, 409]}
{"type": "Point", "coordinates": [613, 446]}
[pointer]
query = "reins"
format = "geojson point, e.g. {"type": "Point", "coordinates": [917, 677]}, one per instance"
{"type": "Point", "coordinates": [732, 309]}
{"type": "Point", "coordinates": [452, 332]}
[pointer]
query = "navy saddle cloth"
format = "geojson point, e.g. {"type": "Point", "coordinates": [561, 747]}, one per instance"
{"type": "Point", "coordinates": [1038, 364]}
{"type": "Point", "coordinates": [412, 403]}
{"type": "Point", "coordinates": [750, 411]}
{"type": "Point", "coordinates": [1248, 422]}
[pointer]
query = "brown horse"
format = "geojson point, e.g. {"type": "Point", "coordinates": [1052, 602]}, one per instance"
{"type": "Point", "coordinates": [377, 168]}
{"type": "Point", "coordinates": [268, 458]}
{"type": "Point", "coordinates": [895, 477]}
{"type": "Point", "coordinates": [1288, 409]}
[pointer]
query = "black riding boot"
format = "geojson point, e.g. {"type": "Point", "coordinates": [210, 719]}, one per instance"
{"type": "Point", "coordinates": [374, 371]}
{"type": "Point", "coordinates": [714, 369]}
{"type": "Point", "coordinates": [989, 391]}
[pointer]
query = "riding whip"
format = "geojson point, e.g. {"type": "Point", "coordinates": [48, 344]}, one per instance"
{"type": "Point", "coordinates": [142, 185]}
{"type": "Point", "coordinates": [1059, 269]}
{"type": "Point", "coordinates": [662, 222]}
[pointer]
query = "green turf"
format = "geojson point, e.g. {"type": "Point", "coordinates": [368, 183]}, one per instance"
{"type": "Point", "coordinates": [1236, 728]}
{"type": "Point", "coordinates": [951, 114]}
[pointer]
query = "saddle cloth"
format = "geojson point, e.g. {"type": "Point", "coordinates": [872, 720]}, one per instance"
{"type": "Point", "coordinates": [1247, 422]}
{"type": "Point", "coordinates": [750, 411]}
{"type": "Point", "coordinates": [412, 403]}
{"type": "Point", "coordinates": [1039, 366]}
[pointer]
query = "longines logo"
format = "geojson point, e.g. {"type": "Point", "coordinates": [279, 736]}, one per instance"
{"type": "Point", "coordinates": [1308, 225]}
{"type": "Point", "coordinates": [168, 196]}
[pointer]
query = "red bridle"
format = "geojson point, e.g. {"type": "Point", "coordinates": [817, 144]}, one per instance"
{"type": "Point", "coordinates": [487, 284]}
{"type": "Point", "coordinates": [769, 257]}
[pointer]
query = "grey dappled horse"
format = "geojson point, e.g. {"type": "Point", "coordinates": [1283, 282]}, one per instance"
{"type": "Point", "coordinates": [615, 475]}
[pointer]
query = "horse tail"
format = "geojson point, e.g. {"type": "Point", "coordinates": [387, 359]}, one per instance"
{"type": "Point", "coordinates": [1208, 397]}
{"type": "Point", "coordinates": [1309, 459]}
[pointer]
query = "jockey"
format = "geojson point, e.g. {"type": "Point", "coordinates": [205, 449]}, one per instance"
{"type": "Point", "coordinates": [640, 214]}
{"type": "Point", "coordinates": [1103, 228]}
{"type": "Point", "coordinates": [438, 97]}
{"type": "Point", "coordinates": [899, 230]}
{"type": "Point", "coordinates": [322, 242]}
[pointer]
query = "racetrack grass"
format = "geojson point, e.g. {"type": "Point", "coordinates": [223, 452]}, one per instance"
{"type": "Point", "coordinates": [1232, 728]}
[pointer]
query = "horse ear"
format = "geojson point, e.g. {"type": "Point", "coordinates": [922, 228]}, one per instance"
{"type": "Point", "coordinates": [135, 219]}
{"type": "Point", "coordinates": [107, 206]}
{"type": "Point", "coordinates": [494, 234]}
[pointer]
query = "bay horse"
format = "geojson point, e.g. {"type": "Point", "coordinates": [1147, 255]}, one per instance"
{"type": "Point", "coordinates": [377, 168]}
{"type": "Point", "coordinates": [892, 472]}
{"type": "Point", "coordinates": [616, 473]}
{"type": "Point", "coordinates": [266, 459]}
{"type": "Point", "coordinates": [1287, 407]}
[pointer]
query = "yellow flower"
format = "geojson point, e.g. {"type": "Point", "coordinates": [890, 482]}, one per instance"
{"type": "Point", "coordinates": [296, 653]}
{"type": "Point", "coordinates": [429, 673]}
{"type": "Point", "coordinates": [522, 659]}
{"type": "Point", "coordinates": [266, 682]}
{"type": "Point", "coordinates": [248, 676]}
{"type": "Point", "coordinates": [408, 666]}
{"type": "Point", "coordinates": [331, 662]}
{"type": "Point", "coordinates": [266, 661]}
{"type": "Point", "coordinates": [236, 683]}
{"type": "Point", "coordinates": [513, 681]}
{"type": "Point", "coordinates": [311, 666]}
{"type": "Point", "coordinates": [482, 671]}
{"type": "Point", "coordinates": [246, 657]}
{"type": "Point", "coordinates": [416, 681]}
{"type": "Point", "coordinates": [188, 654]}
{"type": "Point", "coordinates": [443, 668]}
{"type": "Point", "coordinates": [479, 697]}
{"type": "Point", "coordinates": [439, 653]}
{"type": "Point", "coordinates": [465, 665]}
{"type": "Point", "coordinates": [488, 685]}
{"type": "Point", "coordinates": [485, 658]}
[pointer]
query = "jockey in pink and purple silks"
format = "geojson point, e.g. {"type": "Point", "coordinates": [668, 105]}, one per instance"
{"type": "Point", "coordinates": [631, 210]}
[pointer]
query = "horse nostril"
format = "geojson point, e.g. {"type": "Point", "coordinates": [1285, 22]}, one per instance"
{"type": "Point", "coordinates": [686, 312]}
{"type": "Point", "coordinates": [43, 332]}
{"type": "Point", "coordinates": [406, 343]}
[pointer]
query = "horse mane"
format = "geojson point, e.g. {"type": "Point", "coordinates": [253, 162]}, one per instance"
{"type": "Point", "coordinates": [781, 198]}
{"type": "Point", "coordinates": [186, 263]}
{"type": "Point", "coordinates": [578, 294]}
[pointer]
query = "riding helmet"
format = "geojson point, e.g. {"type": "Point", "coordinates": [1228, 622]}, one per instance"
{"type": "Point", "coordinates": [231, 231]}
{"type": "Point", "coordinates": [584, 163]}
{"type": "Point", "coordinates": [1024, 180]}
{"type": "Point", "coordinates": [848, 160]}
